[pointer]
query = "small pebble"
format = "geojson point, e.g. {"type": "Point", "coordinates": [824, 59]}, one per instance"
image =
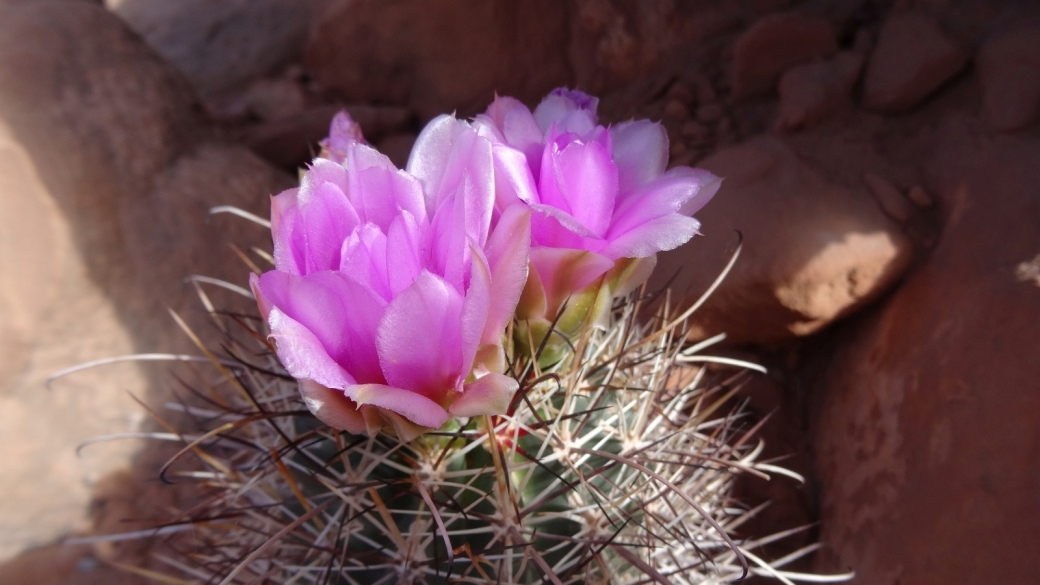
{"type": "Point", "coordinates": [920, 197]}
{"type": "Point", "coordinates": [677, 148]}
{"type": "Point", "coordinates": [676, 110]}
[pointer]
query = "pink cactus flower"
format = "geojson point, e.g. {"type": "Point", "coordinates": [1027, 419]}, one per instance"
{"type": "Point", "coordinates": [598, 196]}
{"type": "Point", "coordinates": [390, 295]}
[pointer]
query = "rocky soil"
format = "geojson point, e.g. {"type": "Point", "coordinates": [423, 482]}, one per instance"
{"type": "Point", "coordinates": [882, 163]}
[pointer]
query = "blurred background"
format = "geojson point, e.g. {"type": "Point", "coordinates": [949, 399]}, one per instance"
{"type": "Point", "coordinates": [881, 159]}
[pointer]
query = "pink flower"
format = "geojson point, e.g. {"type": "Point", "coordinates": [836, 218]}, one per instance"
{"type": "Point", "coordinates": [389, 300]}
{"type": "Point", "coordinates": [598, 196]}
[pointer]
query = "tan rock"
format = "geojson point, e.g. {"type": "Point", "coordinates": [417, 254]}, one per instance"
{"type": "Point", "coordinates": [814, 251]}
{"type": "Point", "coordinates": [1009, 68]}
{"type": "Point", "coordinates": [914, 58]}
{"type": "Point", "coordinates": [928, 434]}
{"type": "Point", "coordinates": [52, 316]}
{"type": "Point", "coordinates": [775, 43]}
{"type": "Point", "coordinates": [106, 183]}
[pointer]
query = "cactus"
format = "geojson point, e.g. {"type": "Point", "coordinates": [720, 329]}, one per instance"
{"type": "Point", "coordinates": [614, 465]}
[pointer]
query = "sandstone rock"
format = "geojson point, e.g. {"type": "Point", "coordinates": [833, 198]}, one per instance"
{"type": "Point", "coordinates": [810, 92]}
{"type": "Point", "coordinates": [1009, 67]}
{"type": "Point", "coordinates": [813, 251]}
{"type": "Point", "coordinates": [913, 58]}
{"type": "Point", "coordinates": [928, 437]}
{"type": "Point", "coordinates": [373, 51]}
{"type": "Point", "coordinates": [52, 316]}
{"type": "Point", "coordinates": [775, 43]}
{"type": "Point", "coordinates": [107, 179]}
{"type": "Point", "coordinates": [221, 45]}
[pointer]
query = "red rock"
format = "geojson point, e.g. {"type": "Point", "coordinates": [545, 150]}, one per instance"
{"type": "Point", "coordinates": [927, 440]}
{"type": "Point", "coordinates": [888, 196]}
{"type": "Point", "coordinates": [373, 51]}
{"type": "Point", "coordinates": [1009, 68]}
{"type": "Point", "coordinates": [773, 45]}
{"type": "Point", "coordinates": [913, 59]}
{"type": "Point", "coordinates": [810, 92]}
{"type": "Point", "coordinates": [814, 251]}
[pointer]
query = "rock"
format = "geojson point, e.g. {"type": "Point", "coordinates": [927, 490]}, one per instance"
{"type": "Point", "coordinates": [814, 251]}
{"type": "Point", "coordinates": [1009, 68]}
{"type": "Point", "coordinates": [774, 44]}
{"type": "Point", "coordinates": [913, 58]}
{"type": "Point", "coordinates": [709, 113]}
{"type": "Point", "coordinates": [52, 316]}
{"type": "Point", "coordinates": [810, 92]}
{"type": "Point", "coordinates": [221, 45]}
{"type": "Point", "coordinates": [889, 198]}
{"type": "Point", "coordinates": [919, 197]}
{"type": "Point", "coordinates": [676, 110]}
{"type": "Point", "coordinates": [397, 147]}
{"type": "Point", "coordinates": [291, 142]}
{"type": "Point", "coordinates": [372, 51]}
{"type": "Point", "coordinates": [927, 439]}
{"type": "Point", "coordinates": [108, 175]}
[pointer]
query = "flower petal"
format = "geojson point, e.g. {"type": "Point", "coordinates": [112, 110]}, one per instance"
{"type": "Point", "coordinates": [567, 110]}
{"type": "Point", "coordinates": [507, 253]}
{"type": "Point", "coordinates": [343, 132]}
{"type": "Point", "coordinates": [406, 248]}
{"type": "Point", "coordinates": [667, 195]}
{"type": "Point", "coordinates": [474, 309]}
{"type": "Point", "coordinates": [450, 159]}
{"type": "Point", "coordinates": [487, 395]}
{"type": "Point", "coordinates": [581, 180]}
{"type": "Point", "coordinates": [414, 407]}
{"type": "Point", "coordinates": [657, 235]}
{"type": "Point", "coordinates": [514, 181]}
{"type": "Point", "coordinates": [338, 314]}
{"type": "Point", "coordinates": [419, 339]}
{"type": "Point", "coordinates": [364, 259]}
{"type": "Point", "coordinates": [378, 190]}
{"type": "Point", "coordinates": [640, 153]}
{"type": "Point", "coordinates": [303, 354]}
{"type": "Point", "coordinates": [332, 407]}
{"type": "Point", "coordinates": [564, 272]}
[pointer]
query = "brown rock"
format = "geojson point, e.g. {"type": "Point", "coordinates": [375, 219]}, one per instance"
{"type": "Point", "coordinates": [397, 147]}
{"type": "Point", "coordinates": [919, 197]}
{"type": "Point", "coordinates": [927, 440]}
{"type": "Point", "coordinates": [810, 92]}
{"type": "Point", "coordinates": [1009, 67]}
{"type": "Point", "coordinates": [221, 45]}
{"type": "Point", "coordinates": [775, 43]}
{"type": "Point", "coordinates": [888, 196]}
{"type": "Point", "coordinates": [676, 110]}
{"type": "Point", "coordinates": [292, 142]}
{"type": "Point", "coordinates": [813, 251]}
{"type": "Point", "coordinates": [373, 51]}
{"type": "Point", "coordinates": [913, 59]}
